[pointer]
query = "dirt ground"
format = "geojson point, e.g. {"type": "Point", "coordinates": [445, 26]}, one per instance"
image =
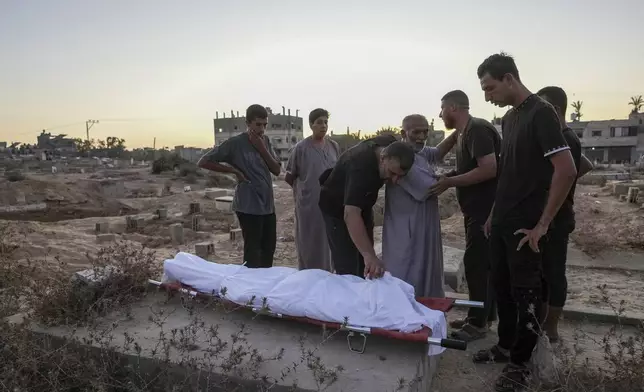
{"type": "Point", "coordinates": [77, 201]}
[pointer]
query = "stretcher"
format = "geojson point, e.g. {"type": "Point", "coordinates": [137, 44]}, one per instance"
{"type": "Point", "coordinates": [355, 333]}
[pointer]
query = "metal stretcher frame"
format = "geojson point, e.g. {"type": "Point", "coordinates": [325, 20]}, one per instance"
{"type": "Point", "coordinates": [422, 336]}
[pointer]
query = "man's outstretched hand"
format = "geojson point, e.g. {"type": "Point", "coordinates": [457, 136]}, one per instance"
{"type": "Point", "coordinates": [373, 268]}
{"type": "Point", "coordinates": [442, 184]}
{"type": "Point", "coordinates": [532, 237]}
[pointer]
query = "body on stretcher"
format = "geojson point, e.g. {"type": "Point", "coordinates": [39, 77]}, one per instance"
{"type": "Point", "coordinates": [422, 336]}
{"type": "Point", "coordinates": [318, 297]}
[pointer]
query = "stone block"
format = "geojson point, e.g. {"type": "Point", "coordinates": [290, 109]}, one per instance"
{"type": "Point", "coordinates": [622, 198]}
{"type": "Point", "coordinates": [214, 193]}
{"type": "Point", "coordinates": [195, 208]}
{"type": "Point", "coordinates": [632, 194]}
{"type": "Point", "coordinates": [205, 249]}
{"type": "Point", "coordinates": [162, 213]}
{"type": "Point", "coordinates": [102, 227]}
{"type": "Point", "coordinates": [176, 233]}
{"type": "Point", "coordinates": [454, 269]}
{"type": "Point", "coordinates": [103, 238]}
{"type": "Point", "coordinates": [134, 223]}
{"type": "Point", "coordinates": [197, 221]}
{"type": "Point", "coordinates": [93, 276]}
{"type": "Point", "coordinates": [224, 203]}
{"type": "Point", "coordinates": [236, 235]}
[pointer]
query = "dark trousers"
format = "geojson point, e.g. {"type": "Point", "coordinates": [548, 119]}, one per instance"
{"type": "Point", "coordinates": [260, 237]}
{"type": "Point", "coordinates": [517, 277]}
{"type": "Point", "coordinates": [555, 253]}
{"type": "Point", "coordinates": [478, 272]}
{"type": "Point", "coordinates": [346, 258]}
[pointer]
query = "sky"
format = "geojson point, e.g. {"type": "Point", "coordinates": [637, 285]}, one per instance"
{"type": "Point", "coordinates": [160, 69]}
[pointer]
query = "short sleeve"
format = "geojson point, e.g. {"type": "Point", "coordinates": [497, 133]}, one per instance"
{"type": "Point", "coordinates": [430, 153]}
{"type": "Point", "coordinates": [548, 132]}
{"type": "Point", "coordinates": [293, 163]}
{"type": "Point", "coordinates": [221, 153]}
{"type": "Point", "coordinates": [271, 150]}
{"type": "Point", "coordinates": [356, 186]}
{"type": "Point", "coordinates": [480, 142]}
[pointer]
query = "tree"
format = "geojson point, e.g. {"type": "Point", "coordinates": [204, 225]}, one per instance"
{"type": "Point", "coordinates": [84, 145]}
{"type": "Point", "coordinates": [577, 106]}
{"type": "Point", "coordinates": [636, 102]}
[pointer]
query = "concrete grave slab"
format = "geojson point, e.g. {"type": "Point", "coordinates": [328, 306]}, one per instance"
{"type": "Point", "coordinates": [379, 368]}
{"type": "Point", "coordinates": [104, 238]}
{"type": "Point", "coordinates": [454, 269]}
{"type": "Point", "coordinates": [214, 193]}
{"type": "Point", "coordinates": [224, 203]}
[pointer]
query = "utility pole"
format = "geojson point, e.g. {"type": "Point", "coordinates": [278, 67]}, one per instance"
{"type": "Point", "coordinates": [88, 125]}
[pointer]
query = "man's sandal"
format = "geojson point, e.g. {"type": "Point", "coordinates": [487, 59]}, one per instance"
{"type": "Point", "coordinates": [490, 355]}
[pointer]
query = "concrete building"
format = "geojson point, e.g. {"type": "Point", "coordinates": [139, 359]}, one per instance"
{"type": "Point", "coordinates": [284, 130]}
{"type": "Point", "coordinates": [612, 141]}
{"type": "Point", "coordinates": [58, 143]}
{"type": "Point", "coordinates": [192, 154]}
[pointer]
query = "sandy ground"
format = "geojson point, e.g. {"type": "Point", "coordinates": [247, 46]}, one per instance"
{"type": "Point", "coordinates": [603, 223]}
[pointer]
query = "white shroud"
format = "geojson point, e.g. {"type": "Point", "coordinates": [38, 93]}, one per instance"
{"type": "Point", "coordinates": [386, 303]}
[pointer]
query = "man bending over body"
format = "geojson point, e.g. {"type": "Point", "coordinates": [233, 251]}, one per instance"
{"type": "Point", "coordinates": [477, 153]}
{"type": "Point", "coordinates": [250, 157]}
{"type": "Point", "coordinates": [536, 171]}
{"type": "Point", "coordinates": [412, 248]}
{"type": "Point", "coordinates": [348, 193]}
{"type": "Point", "coordinates": [556, 247]}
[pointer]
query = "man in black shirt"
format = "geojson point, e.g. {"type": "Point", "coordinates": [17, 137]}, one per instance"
{"type": "Point", "coordinates": [347, 196]}
{"type": "Point", "coordinates": [477, 152]}
{"type": "Point", "coordinates": [556, 247]}
{"type": "Point", "coordinates": [535, 173]}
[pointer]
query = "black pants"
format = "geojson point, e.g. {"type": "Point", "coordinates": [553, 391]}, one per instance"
{"type": "Point", "coordinates": [260, 237]}
{"type": "Point", "coordinates": [346, 258]}
{"type": "Point", "coordinates": [478, 272]}
{"type": "Point", "coordinates": [555, 253]}
{"type": "Point", "coordinates": [517, 277]}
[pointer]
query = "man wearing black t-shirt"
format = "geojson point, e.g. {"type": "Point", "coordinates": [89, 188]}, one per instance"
{"type": "Point", "coordinates": [477, 152]}
{"type": "Point", "coordinates": [535, 173]}
{"type": "Point", "coordinates": [347, 196]}
{"type": "Point", "coordinates": [556, 247]}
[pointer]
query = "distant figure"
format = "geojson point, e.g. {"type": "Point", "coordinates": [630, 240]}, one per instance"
{"type": "Point", "coordinates": [308, 160]}
{"type": "Point", "coordinates": [348, 193]}
{"type": "Point", "coordinates": [412, 249]}
{"type": "Point", "coordinates": [536, 171]}
{"type": "Point", "coordinates": [477, 152]}
{"type": "Point", "coordinates": [251, 158]}
{"type": "Point", "coordinates": [556, 248]}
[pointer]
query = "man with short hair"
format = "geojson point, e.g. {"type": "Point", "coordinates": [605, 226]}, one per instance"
{"type": "Point", "coordinates": [251, 158]}
{"type": "Point", "coordinates": [555, 250]}
{"type": "Point", "coordinates": [348, 193]}
{"type": "Point", "coordinates": [412, 248]}
{"type": "Point", "coordinates": [308, 160]}
{"type": "Point", "coordinates": [477, 152]}
{"type": "Point", "coordinates": [536, 171]}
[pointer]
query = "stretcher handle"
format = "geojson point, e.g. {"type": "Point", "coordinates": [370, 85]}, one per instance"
{"type": "Point", "coordinates": [453, 344]}
{"type": "Point", "coordinates": [469, 304]}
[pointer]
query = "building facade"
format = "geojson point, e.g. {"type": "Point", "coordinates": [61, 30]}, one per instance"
{"type": "Point", "coordinates": [612, 141]}
{"type": "Point", "coordinates": [58, 143]}
{"type": "Point", "coordinates": [284, 130]}
{"type": "Point", "coordinates": [192, 154]}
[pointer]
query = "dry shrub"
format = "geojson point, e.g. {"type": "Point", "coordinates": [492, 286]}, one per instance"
{"type": "Point", "coordinates": [93, 356]}
{"type": "Point", "coordinates": [619, 368]}
{"type": "Point", "coordinates": [119, 277]}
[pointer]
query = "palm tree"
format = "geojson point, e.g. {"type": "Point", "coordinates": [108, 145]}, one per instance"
{"type": "Point", "coordinates": [577, 106]}
{"type": "Point", "coordinates": [636, 102]}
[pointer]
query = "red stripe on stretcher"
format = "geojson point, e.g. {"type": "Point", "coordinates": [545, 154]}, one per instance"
{"type": "Point", "coordinates": [440, 304]}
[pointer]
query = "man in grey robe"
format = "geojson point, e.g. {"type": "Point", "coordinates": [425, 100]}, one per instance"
{"type": "Point", "coordinates": [308, 160]}
{"type": "Point", "coordinates": [412, 248]}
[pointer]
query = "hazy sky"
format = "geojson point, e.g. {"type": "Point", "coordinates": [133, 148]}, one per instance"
{"type": "Point", "coordinates": [147, 68]}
